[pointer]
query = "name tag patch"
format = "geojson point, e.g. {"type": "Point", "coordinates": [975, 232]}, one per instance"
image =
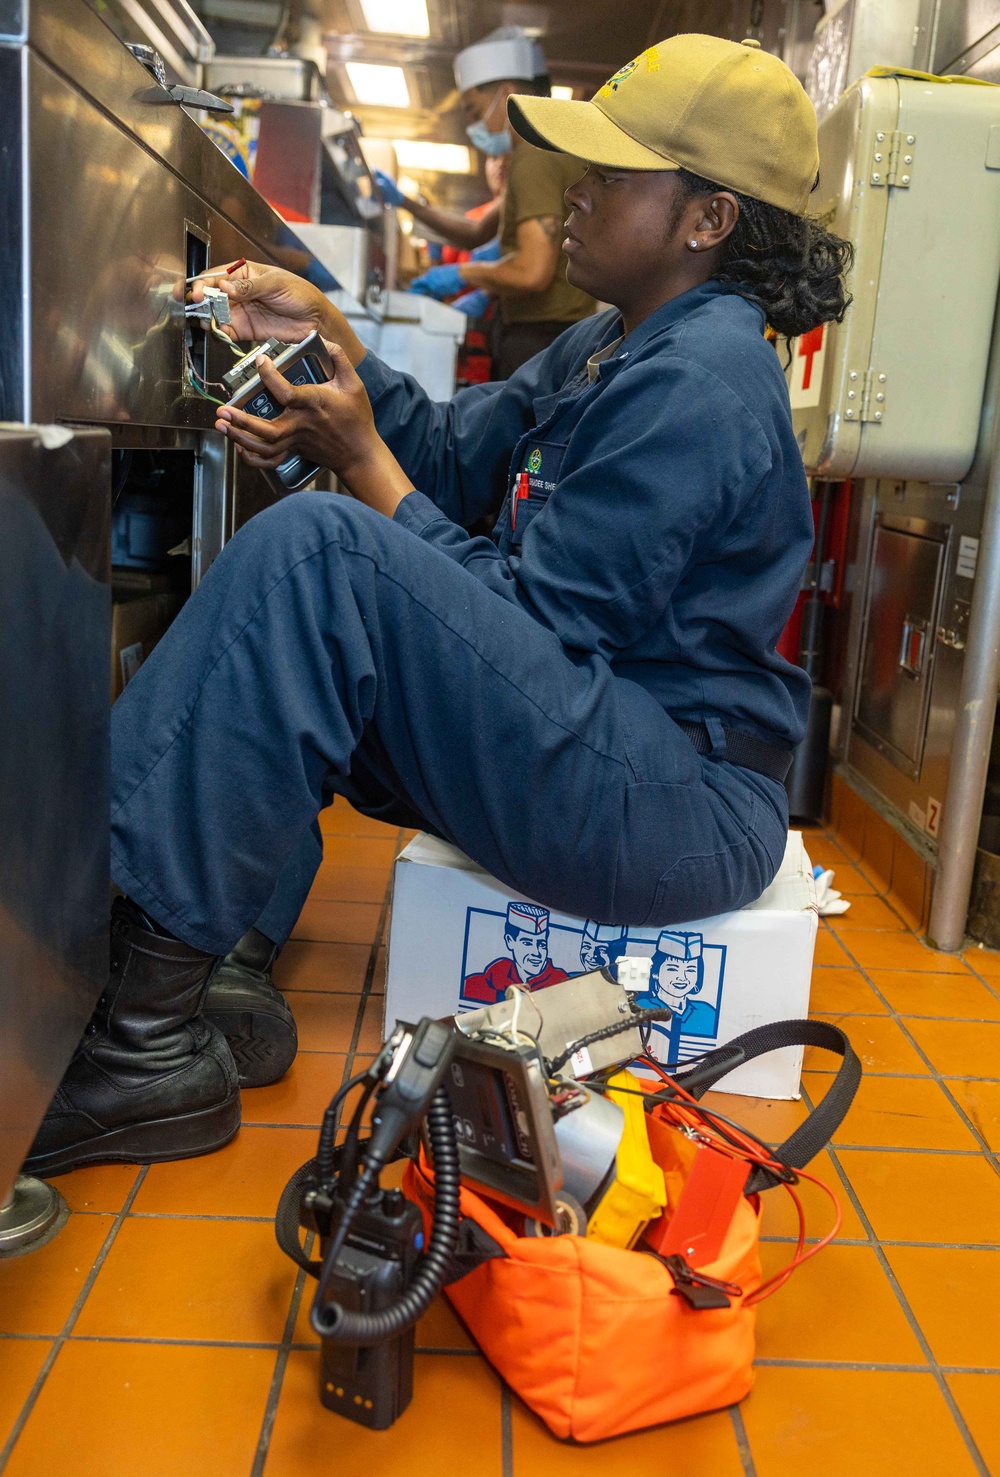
{"type": "Point", "coordinates": [542, 461]}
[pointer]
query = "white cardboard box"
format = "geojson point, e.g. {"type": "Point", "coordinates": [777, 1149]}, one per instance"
{"type": "Point", "coordinates": [458, 936]}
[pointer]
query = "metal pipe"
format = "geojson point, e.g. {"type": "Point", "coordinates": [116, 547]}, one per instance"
{"type": "Point", "coordinates": [970, 756]}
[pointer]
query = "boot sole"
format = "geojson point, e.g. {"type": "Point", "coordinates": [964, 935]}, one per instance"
{"type": "Point", "coordinates": [263, 1043]}
{"type": "Point", "coordinates": [156, 1142]}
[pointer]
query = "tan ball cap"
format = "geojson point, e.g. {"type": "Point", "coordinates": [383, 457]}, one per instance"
{"type": "Point", "coordinates": [722, 109]}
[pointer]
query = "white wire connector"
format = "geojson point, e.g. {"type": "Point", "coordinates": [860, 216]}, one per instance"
{"type": "Point", "coordinates": [633, 972]}
{"type": "Point", "coordinates": [512, 1027]}
{"type": "Point", "coordinates": [213, 308]}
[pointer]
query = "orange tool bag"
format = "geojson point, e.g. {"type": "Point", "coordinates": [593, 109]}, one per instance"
{"type": "Point", "coordinates": [599, 1340]}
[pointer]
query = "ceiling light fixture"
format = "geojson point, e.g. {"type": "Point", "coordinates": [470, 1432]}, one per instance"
{"type": "Point", "coordinates": [397, 17]}
{"type": "Point", "coordinates": [377, 86]}
{"type": "Point", "coordinates": [566, 93]}
{"type": "Point", "coordinates": [440, 158]}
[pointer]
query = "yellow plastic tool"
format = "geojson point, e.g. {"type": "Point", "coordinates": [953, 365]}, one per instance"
{"type": "Point", "coordinates": [637, 1194]}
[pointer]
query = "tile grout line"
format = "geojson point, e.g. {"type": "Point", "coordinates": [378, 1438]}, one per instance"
{"type": "Point", "coordinates": [907, 1311]}
{"type": "Point", "coordinates": [908, 1076]}
{"type": "Point", "coordinates": [60, 1339]}
{"type": "Point", "coordinates": [278, 1375]}
{"type": "Point", "coordinates": [936, 1076]}
{"type": "Point", "coordinates": [281, 1362]}
{"type": "Point", "coordinates": [366, 988]}
{"type": "Point", "coordinates": [506, 1432]}
{"type": "Point", "coordinates": [742, 1439]}
{"type": "Point", "coordinates": [984, 979]}
{"type": "Point", "coordinates": [872, 1365]}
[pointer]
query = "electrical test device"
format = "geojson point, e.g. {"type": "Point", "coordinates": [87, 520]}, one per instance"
{"type": "Point", "coordinates": [306, 363]}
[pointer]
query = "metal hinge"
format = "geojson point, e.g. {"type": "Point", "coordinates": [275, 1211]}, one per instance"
{"type": "Point", "coordinates": [892, 159]}
{"type": "Point", "coordinates": [873, 397]}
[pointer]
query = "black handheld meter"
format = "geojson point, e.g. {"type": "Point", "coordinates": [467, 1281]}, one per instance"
{"type": "Point", "coordinates": [307, 363]}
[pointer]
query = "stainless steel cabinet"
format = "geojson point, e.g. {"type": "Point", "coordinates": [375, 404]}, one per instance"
{"type": "Point", "coordinates": [904, 589]}
{"type": "Point", "coordinates": [108, 194]}
{"type": "Point", "coordinates": [55, 625]}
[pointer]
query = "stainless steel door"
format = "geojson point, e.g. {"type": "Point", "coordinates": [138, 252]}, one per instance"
{"type": "Point", "coordinates": [55, 631]}
{"type": "Point", "coordinates": [904, 587]}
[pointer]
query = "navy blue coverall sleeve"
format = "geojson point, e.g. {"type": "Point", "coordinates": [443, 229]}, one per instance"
{"type": "Point", "coordinates": [457, 451]}
{"type": "Point", "coordinates": [641, 487]}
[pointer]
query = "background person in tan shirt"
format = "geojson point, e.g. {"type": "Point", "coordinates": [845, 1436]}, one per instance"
{"type": "Point", "coordinates": [536, 301]}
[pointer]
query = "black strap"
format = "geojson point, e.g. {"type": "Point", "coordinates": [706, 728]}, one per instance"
{"type": "Point", "coordinates": [824, 1120]}
{"type": "Point", "coordinates": [287, 1216]}
{"type": "Point", "coordinates": [744, 749]}
{"type": "Point", "coordinates": [474, 1247]}
{"type": "Point", "coordinates": [286, 1220]}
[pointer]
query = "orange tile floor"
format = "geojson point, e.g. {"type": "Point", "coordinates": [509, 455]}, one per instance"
{"type": "Point", "coordinates": [162, 1332]}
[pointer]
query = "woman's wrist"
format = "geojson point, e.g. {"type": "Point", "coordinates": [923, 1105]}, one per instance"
{"type": "Point", "coordinates": [335, 327]}
{"type": "Point", "coordinates": [376, 479]}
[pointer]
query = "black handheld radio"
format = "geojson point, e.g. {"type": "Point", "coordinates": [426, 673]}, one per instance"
{"type": "Point", "coordinates": [372, 1384]}
{"type": "Point", "coordinates": [376, 1276]}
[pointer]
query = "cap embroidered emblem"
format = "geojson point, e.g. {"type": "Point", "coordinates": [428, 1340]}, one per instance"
{"type": "Point", "coordinates": [614, 82]}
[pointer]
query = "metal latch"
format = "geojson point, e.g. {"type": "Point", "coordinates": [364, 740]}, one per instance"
{"type": "Point", "coordinates": [892, 159]}
{"type": "Point", "coordinates": [955, 632]}
{"type": "Point", "coordinates": [913, 647]}
{"type": "Point", "coordinates": [173, 92]}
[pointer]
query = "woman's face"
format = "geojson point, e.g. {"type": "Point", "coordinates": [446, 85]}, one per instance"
{"type": "Point", "coordinates": [630, 231]}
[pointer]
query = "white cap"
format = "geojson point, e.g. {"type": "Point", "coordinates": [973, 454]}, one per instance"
{"type": "Point", "coordinates": [507, 54]}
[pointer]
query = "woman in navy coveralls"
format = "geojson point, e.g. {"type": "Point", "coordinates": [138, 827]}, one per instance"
{"type": "Point", "coordinates": [591, 705]}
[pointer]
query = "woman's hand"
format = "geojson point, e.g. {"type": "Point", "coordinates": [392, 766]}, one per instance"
{"type": "Point", "coordinates": [268, 302]}
{"type": "Point", "coordinates": [331, 424]}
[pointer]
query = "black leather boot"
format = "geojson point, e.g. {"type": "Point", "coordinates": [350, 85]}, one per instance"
{"type": "Point", "coordinates": [251, 1012]}
{"type": "Point", "coordinates": [151, 1080]}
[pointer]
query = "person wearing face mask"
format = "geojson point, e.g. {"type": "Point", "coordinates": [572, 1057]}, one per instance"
{"type": "Point", "coordinates": [537, 303]}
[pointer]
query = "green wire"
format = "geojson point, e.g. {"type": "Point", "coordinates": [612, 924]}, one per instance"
{"type": "Point", "coordinates": [199, 391]}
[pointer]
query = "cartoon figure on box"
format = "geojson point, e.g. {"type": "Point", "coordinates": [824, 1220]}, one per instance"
{"type": "Point", "coordinates": [526, 934]}
{"type": "Point", "coordinates": [600, 945]}
{"type": "Point", "coordinates": [676, 975]}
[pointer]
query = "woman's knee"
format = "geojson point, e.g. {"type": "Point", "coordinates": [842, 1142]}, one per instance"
{"type": "Point", "coordinates": [304, 523]}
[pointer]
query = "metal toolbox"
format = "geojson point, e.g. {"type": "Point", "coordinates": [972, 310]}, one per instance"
{"type": "Point", "coordinates": [910, 174]}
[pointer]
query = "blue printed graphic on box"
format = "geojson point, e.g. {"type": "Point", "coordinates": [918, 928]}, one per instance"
{"type": "Point", "coordinates": [524, 947]}
{"type": "Point", "coordinates": [519, 946]}
{"type": "Point", "coordinates": [686, 976]}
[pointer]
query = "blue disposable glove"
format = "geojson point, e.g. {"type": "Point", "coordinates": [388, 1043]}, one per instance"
{"type": "Point", "coordinates": [435, 251]}
{"type": "Point", "coordinates": [491, 252]}
{"type": "Point", "coordinates": [439, 282]}
{"type": "Point", "coordinates": [473, 303]}
{"type": "Point", "coordinates": [388, 189]}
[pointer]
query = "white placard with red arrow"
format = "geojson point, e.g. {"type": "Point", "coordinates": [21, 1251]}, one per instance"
{"type": "Point", "coordinates": [808, 357]}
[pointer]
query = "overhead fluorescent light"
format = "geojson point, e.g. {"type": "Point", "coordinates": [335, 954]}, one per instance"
{"type": "Point", "coordinates": [378, 86]}
{"type": "Point", "coordinates": [442, 158]}
{"type": "Point", "coordinates": [566, 93]}
{"type": "Point", "coordinates": [397, 17]}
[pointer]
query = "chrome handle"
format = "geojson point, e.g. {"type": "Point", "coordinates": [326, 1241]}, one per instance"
{"type": "Point", "coordinates": [913, 648]}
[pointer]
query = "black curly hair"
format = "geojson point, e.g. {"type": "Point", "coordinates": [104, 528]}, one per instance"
{"type": "Point", "coordinates": [789, 265]}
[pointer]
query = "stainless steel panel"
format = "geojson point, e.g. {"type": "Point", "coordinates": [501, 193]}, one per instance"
{"type": "Point", "coordinates": [917, 800]}
{"type": "Point", "coordinates": [55, 627]}
{"type": "Point", "coordinates": [982, 61]}
{"type": "Point", "coordinates": [962, 25]}
{"type": "Point", "coordinates": [97, 183]}
{"type": "Point", "coordinates": [904, 586]}
{"type": "Point", "coordinates": [274, 76]}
